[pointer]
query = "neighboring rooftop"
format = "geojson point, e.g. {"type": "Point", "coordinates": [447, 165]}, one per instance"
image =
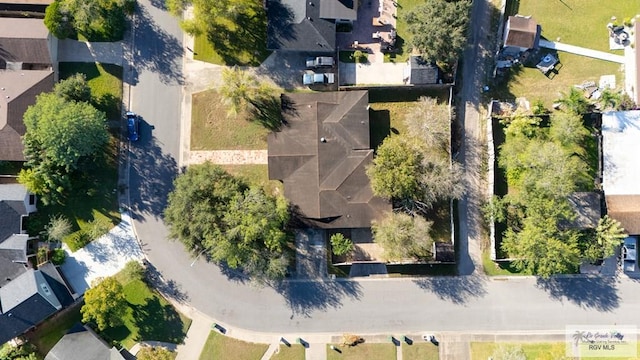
{"type": "Point", "coordinates": [422, 72]}
{"type": "Point", "coordinates": [296, 25]}
{"type": "Point", "coordinates": [18, 90]}
{"type": "Point", "coordinates": [521, 32]}
{"type": "Point", "coordinates": [29, 299]}
{"type": "Point", "coordinates": [24, 40]}
{"type": "Point", "coordinates": [621, 173]}
{"type": "Point", "coordinates": [587, 207]}
{"type": "Point", "coordinates": [339, 9]}
{"type": "Point", "coordinates": [321, 156]}
{"type": "Point", "coordinates": [620, 148]}
{"type": "Point", "coordinates": [81, 343]}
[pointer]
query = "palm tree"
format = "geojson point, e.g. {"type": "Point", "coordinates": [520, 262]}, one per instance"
{"type": "Point", "coordinates": [239, 88]}
{"type": "Point", "coordinates": [575, 101]}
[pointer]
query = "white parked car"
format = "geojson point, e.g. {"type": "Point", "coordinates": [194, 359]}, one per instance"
{"type": "Point", "coordinates": [310, 78]}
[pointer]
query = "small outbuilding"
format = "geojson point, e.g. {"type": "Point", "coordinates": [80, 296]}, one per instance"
{"type": "Point", "coordinates": [521, 33]}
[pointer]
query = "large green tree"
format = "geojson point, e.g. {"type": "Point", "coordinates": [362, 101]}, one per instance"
{"type": "Point", "coordinates": [403, 237]}
{"type": "Point", "coordinates": [104, 304]}
{"type": "Point", "coordinates": [406, 171]}
{"type": "Point", "coordinates": [60, 134]}
{"type": "Point", "coordinates": [96, 19]}
{"type": "Point", "coordinates": [213, 212]}
{"type": "Point", "coordinates": [438, 29]}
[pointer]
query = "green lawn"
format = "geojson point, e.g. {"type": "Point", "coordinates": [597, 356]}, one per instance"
{"type": "Point", "coordinates": [257, 174]}
{"type": "Point", "coordinates": [240, 43]}
{"type": "Point", "coordinates": [220, 347]}
{"type": "Point", "coordinates": [363, 352]}
{"type": "Point", "coordinates": [422, 351]}
{"type": "Point", "coordinates": [213, 129]}
{"type": "Point", "coordinates": [293, 352]}
{"type": "Point", "coordinates": [541, 351]}
{"type": "Point", "coordinates": [149, 317]}
{"type": "Point", "coordinates": [492, 268]}
{"type": "Point", "coordinates": [403, 37]}
{"type": "Point", "coordinates": [94, 197]}
{"type": "Point", "coordinates": [105, 81]}
{"type": "Point", "coordinates": [45, 336]}
{"type": "Point", "coordinates": [576, 22]}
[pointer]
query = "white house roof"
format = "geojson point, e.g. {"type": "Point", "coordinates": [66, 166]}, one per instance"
{"type": "Point", "coordinates": [620, 149]}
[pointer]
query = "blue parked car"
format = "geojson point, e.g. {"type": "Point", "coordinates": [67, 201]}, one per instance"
{"type": "Point", "coordinates": [133, 126]}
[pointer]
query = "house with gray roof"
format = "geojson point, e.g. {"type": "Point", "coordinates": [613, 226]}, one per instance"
{"type": "Point", "coordinates": [309, 26]}
{"type": "Point", "coordinates": [27, 60]}
{"type": "Point", "coordinates": [321, 156]}
{"type": "Point", "coordinates": [31, 298]}
{"type": "Point", "coordinates": [81, 343]}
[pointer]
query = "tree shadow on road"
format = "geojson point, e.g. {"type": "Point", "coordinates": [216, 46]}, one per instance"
{"type": "Point", "coordinates": [305, 297]}
{"type": "Point", "coordinates": [152, 175]}
{"type": "Point", "coordinates": [163, 56]}
{"type": "Point", "coordinates": [168, 288]}
{"type": "Point", "coordinates": [590, 292]}
{"type": "Point", "coordinates": [459, 290]}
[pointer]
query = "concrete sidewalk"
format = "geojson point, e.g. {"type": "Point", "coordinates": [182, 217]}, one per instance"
{"type": "Point", "coordinates": [80, 51]}
{"type": "Point", "coordinates": [582, 51]}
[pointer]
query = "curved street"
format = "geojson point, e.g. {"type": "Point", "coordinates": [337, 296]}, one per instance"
{"type": "Point", "coordinates": [469, 303]}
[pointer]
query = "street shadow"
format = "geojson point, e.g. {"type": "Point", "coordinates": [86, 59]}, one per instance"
{"type": "Point", "coordinates": [168, 288]}
{"type": "Point", "coordinates": [152, 175]}
{"type": "Point", "coordinates": [305, 297]}
{"type": "Point", "coordinates": [158, 51]}
{"type": "Point", "coordinates": [160, 4]}
{"type": "Point", "coordinates": [458, 290]}
{"type": "Point", "coordinates": [588, 292]}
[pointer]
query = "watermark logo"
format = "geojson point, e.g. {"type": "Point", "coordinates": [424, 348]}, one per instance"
{"type": "Point", "coordinates": [601, 341]}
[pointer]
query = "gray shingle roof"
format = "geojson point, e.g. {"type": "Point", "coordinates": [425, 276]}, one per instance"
{"type": "Point", "coordinates": [339, 9]}
{"type": "Point", "coordinates": [423, 72]}
{"type": "Point", "coordinates": [321, 157]}
{"type": "Point", "coordinates": [296, 25]}
{"type": "Point", "coordinates": [80, 343]}
{"type": "Point", "coordinates": [18, 90]}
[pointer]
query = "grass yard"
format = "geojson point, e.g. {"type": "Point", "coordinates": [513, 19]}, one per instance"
{"type": "Point", "coordinates": [45, 336]}
{"type": "Point", "coordinates": [532, 84]}
{"type": "Point", "coordinates": [220, 347]}
{"type": "Point", "coordinates": [105, 81]}
{"type": "Point", "coordinates": [403, 37]}
{"type": "Point", "coordinates": [363, 352]}
{"type": "Point", "coordinates": [492, 268]}
{"type": "Point", "coordinates": [212, 129]}
{"type": "Point", "coordinates": [293, 352]}
{"type": "Point", "coordinates": [421, 351]}
{"type": "Point", "coordinates": [149, 317]}
{"type": "Point", "coordinates": [257, 174]}
{"type": "Point", "coordinates": [542, 351]}
{"type": "Point", "coordinates": [241, 43]}
{"type": "Point", "coordinates": [576, 22]}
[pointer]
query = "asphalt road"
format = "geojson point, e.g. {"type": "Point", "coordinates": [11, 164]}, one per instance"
{"type": "Point", "coordinates": [469, 303]}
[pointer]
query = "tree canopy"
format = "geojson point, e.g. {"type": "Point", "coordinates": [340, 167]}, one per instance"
{"type": "Point", "coordinates": [233, 223]}
{"type": "Point", "coordinates": [74, 88]}
{"type": "Point", "coordinates": [97, 20]}
{"type": "Point", "coordinates": [59, 135]}
{"type": "Point", "coordinates": [406, 171]}
{"type": "Point", "coordinates": [105, 304]}
{"type": "Point", "coordinates": [438, 29]}
{"type": "Point", "coordinates": [544, 165]}
{"type": "Point", "coordinates": [403, 237]}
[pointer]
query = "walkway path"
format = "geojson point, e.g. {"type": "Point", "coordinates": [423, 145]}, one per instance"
{"type": "Point", "coordinates": [80, 51]}
{"type": "Point", "coordinates": [582, 51]}
{"type": "Point", "coordinates": [228, 157]}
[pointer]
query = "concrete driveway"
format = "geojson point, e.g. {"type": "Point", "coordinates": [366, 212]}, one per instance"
{"type": "Point", "coordinates": [103, 257]}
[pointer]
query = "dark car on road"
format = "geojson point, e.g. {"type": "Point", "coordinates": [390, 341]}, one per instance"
{"type": "Point", "coordinates": [133, 126]}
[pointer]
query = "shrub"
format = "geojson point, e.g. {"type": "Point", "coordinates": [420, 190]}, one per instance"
{"type": "Point", "coordinates": [98, 227]}
{"type": "Point", "coordinates": [341, 245]}
{"type": "Point", "coordinates": [58, 256]}
{"type": "Point", "coordinates": [133, 270]}
{"type": "Point", "coordinates": [58, 228]}
{"type": "Point", "coordinates": [78, 240]}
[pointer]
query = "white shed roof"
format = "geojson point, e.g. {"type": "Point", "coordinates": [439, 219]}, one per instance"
{"type": "Point", "coordinates": [621, 150]}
